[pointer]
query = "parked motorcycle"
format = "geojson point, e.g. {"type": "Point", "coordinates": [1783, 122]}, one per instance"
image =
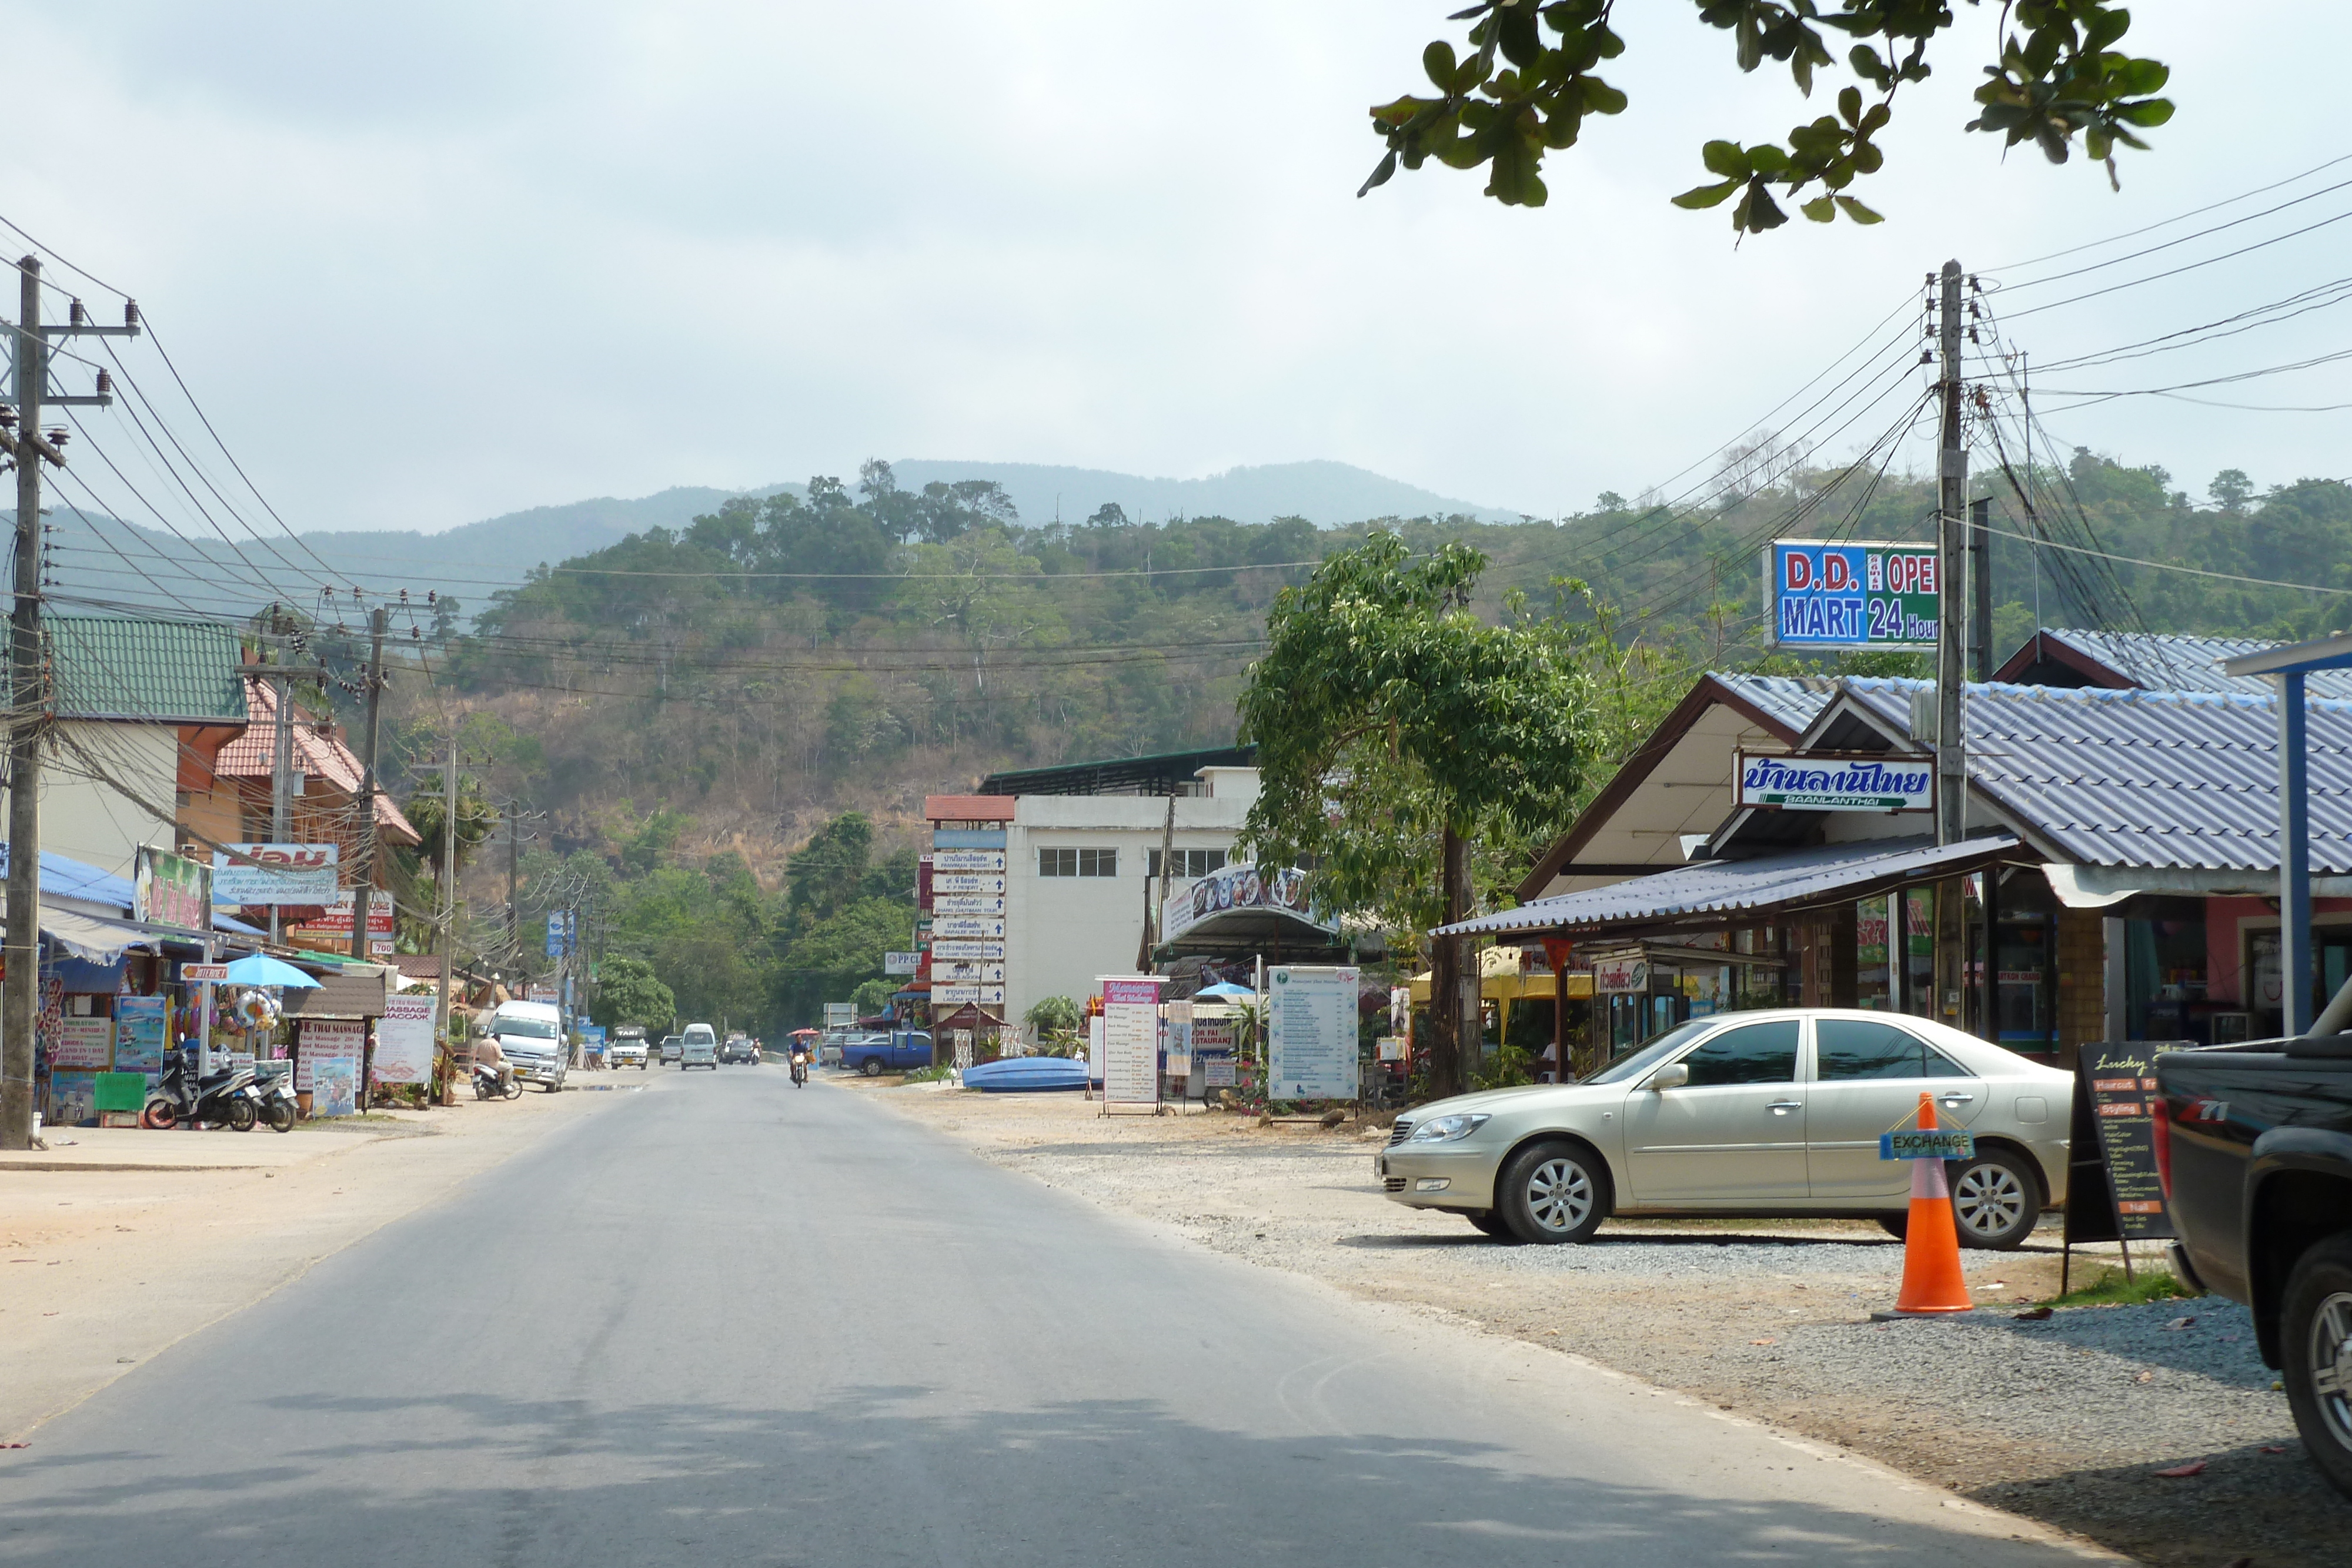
{"type": "Point", "coordinates": [227, 1096]}
{"type": "Point", "coordinates": [495, 1082]}
{"type": "Point", "coordinates": [274, 1098]}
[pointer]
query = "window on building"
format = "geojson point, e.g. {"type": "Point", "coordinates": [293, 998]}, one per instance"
{"type": "Point", "coordinates": [1077, 863]}
{"type": "Point", "coordinates": [1189, 864]}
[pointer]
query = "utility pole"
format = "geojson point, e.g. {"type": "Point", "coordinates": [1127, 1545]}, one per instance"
{"type": "Point", "coordinates": [447, 912]}
{"type": "Point", "coordinates": [1951, 751]}
{"type": "Point", "coordinates": [28, 448]}
{"type": "Point", "coordinates": [1981, 584]}
{"type": "Point", "coordinates": [281, 764]}
{"type": "Point", "coordinates": [514, 861]}
{"type": "Point", "coordinates": [362, 895]}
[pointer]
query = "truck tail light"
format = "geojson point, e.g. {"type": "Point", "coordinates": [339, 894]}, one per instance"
{"type": "Point", "coordinates": [2161, 1134]}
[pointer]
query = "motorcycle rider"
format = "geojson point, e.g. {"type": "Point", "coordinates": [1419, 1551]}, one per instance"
{"type": "Point", "coordinates": [800, 1063]}
{"type": "Point", "coordinates": [487, 1054]}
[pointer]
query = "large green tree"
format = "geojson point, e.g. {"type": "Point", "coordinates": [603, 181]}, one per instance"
{"type": "Point", "coordinates": [1530, 74]}
{"type": "Point", "coordinates": [628, 991]}
{"type": "Point", "coordinates": [1389, 719]}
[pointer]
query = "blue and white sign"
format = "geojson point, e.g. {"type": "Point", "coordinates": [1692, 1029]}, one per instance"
{"type": "Point", "coordinates": [1936, 1144]}
{"type": "Point", "coordinates": [1833, 783]}
{"type": "Point", "coordinates": [1823, 595]}
{"type": "Point", "coordinates": [559, 933]}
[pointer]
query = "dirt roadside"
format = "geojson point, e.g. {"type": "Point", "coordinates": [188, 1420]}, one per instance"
{"type": "Point", "coordinates": [102, 1269]}
{"type": "Point", "coordinates": [2064, 1421]}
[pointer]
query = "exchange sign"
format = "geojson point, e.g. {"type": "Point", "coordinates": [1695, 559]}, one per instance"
{"type": "Point", "coordinates": [1852, 595]}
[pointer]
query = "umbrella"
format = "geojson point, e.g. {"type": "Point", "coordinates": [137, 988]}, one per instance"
{"type": "Point", "coordinates": [1225, 988]}
{"type": "Point", "coordinates": [261, 969]}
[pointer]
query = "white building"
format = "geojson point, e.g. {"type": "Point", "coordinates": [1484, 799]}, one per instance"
{"type": "Point", "coordinates": [1082, 864]}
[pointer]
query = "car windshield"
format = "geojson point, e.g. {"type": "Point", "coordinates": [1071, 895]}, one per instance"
{"type": "Point", "coordinates": [1626, 1068]}
{"type": "Point", "coordinates": [529, 1028]}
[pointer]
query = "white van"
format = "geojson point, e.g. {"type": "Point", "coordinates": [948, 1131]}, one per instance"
{"type": "Point", "coordinates": [701, 1048]}
{"type": "Point", "coordinates": [530, 1037]}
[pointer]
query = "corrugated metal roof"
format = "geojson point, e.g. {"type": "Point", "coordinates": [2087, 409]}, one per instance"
{"type": "Point", "coordinates": [1729, 886]}
{"type": "Point", "coordinates": [1794, 700]}
{"type": "Point", "coordinates": [166, 672]}
{"type": "Point", "coordinates": [2179, 780]}
{"type": "Point", "coordinates": [2165, 660]}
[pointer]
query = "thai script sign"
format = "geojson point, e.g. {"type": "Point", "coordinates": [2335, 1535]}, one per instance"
{"type": "Point", "coordinates": [170, 890]}
{"type": "Point", "coordinates": [968, 882]}
{"type": "Point", "coordinates": [966, 904]}
{"type": "Point", "coordinates": [968, 974]}
{"type": "Point", "coordinates": [967, 860]}
{"type": "Point", "coordinates": [1833, 782]}
{"type": "Point", "coordinates": [1239, 887]}
{"type": "Point", "coordinates": [955, 996]}
{"type": "Point", "coordinates": [967, 925]}
{"type": "Point", "coordinates": [963, 951]}
{"type": "Point", "coordinates": [273, 874]}
{"type": "Point", "coordinates": [1852, 595]}
{"type": "Point", "coordinates": [1622, 977]}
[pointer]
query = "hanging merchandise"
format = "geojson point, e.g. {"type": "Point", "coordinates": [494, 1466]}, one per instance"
{"type": "Point", "coordinates": [256, 1010]}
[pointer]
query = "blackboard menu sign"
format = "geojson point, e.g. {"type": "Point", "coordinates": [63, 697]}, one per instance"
{"type": "Point", "coordinates": [2113, 1193]}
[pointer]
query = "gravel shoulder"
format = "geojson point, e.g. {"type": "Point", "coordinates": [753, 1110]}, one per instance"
{"type": "Point", "coordinates": [103, 1267]}
{"type": "Point", "coordinates": [2064, 1420]}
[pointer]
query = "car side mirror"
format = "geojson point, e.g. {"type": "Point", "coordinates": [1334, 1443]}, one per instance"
{"type": "Point", "coordinates": [1670, 1077]}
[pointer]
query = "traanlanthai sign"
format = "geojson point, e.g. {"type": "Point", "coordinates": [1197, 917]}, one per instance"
{"type": "Point", "coordinates": [1829, 781]}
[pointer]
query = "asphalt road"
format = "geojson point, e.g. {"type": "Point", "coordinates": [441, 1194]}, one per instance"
{"type": "Point", "coordinates": [725, 1322]}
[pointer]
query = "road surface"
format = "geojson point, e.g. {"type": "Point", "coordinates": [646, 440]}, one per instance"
{"type": "Point", "coordinates": [726, 1321]}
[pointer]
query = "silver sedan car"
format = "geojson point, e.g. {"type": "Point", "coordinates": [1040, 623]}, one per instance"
{"type": "Point", "coordinates": [1772, 1114]}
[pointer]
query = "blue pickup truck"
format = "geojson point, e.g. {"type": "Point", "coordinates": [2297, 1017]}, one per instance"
{"type": "Point", "coordinates": [898, 1051]}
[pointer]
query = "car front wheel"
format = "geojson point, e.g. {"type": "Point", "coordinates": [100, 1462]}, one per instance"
{"type": "Point", "coordinates": [1553, 1192]}
{"type": "Point", "coordinates": [1995, 1200]}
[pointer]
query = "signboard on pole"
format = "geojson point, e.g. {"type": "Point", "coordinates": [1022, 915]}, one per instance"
{"type": "Point", "coordinates": [968, 904]}
{"type": "Point", "coordinates": [968, 952]}
{"type": "Point", "coordinates": [1822, 595]}
{"type": "Point", "coordinates": [966, 860]}
{"type": "Point", "coordinates": [1625, 976]}
{"type": "Point", "coordinates": [1131, 1039]}
{"type": "Point", "coordinates": [1310, 1020]}
{"type": "Point", "coordinates": [968, 882]}
{"type": "Point", "coordinates": [330, 929]}
{"type": "Point", "coordinates": [840, 1015]}
{"type": "Point", "coordinates": [967, 926]}
{"type": "Point", "coordinates": [902, 963]}
{"type": "Point", "coordinates": [271, 874]}
{"type": "Point", "coordinates": [172, 890]}
{"type": "Point", "coordinates": [1834, 781]}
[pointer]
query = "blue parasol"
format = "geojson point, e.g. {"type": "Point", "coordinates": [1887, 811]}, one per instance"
{"type": "Point", "coordinates": [261, 969]}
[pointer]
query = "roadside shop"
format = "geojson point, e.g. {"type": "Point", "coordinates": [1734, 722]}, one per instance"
{"type": "Point", "coordinates": [2116, 880]}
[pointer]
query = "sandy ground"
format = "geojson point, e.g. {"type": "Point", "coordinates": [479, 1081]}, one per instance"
{"type": "Point", "coordinates": [2065, 1423]}
{"type": "Point", "coordinates": [102, 1267]}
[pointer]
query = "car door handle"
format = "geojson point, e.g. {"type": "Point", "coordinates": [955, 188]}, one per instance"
{"type": "Point", "coordinates": [1955, 1099]}
{"type": "Point", "coordinates": [1777, 1106]}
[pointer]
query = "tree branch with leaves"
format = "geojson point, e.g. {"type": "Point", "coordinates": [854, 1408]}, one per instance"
{"type": "Point", "coordinates": [1530, 78]}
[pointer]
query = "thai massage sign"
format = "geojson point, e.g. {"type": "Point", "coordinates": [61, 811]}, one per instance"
{"type": "Point", "coordinates": [1832, 781]}
{"type": "Point", "coordinates": [1852, 595]}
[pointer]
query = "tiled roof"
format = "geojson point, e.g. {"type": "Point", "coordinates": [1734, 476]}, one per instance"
{"type": "Point", "coordinates": [168, 672]}
{"type": "Point", "coordinates": [2179, 780]}
{"type": "Point", "coordinates": [317, 752]}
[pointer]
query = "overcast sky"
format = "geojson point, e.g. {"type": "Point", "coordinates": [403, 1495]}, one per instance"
{"type": "Point", "coordinates": [432, 262]}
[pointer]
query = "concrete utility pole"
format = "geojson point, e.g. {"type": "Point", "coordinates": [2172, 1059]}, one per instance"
{"type": "Point", "coordinates": [1981, 585]}
{"type": "Point", "coordinates": [1951, 748]}
{"type": "Point", "coordinates": [447, 912]}
{"type": "Point", "coordinates": [362, 896]}
{"type": "Point", "coordinates": [28, 448]}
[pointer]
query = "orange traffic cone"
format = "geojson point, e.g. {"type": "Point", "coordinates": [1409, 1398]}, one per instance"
{"type": "Point", "coordinates": [1931, 1242]}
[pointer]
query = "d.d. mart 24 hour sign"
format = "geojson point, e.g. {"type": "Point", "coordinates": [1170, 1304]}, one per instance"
{"type": "Point", "coordinates": [1824, 595]}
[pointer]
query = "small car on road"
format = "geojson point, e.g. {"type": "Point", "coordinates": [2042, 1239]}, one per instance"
{"type": "Point", "coordinates": [739, 1049]}
{"type": "Point", "coordinates": [1756, 1113]}
{"type": "Point", "coordinates": [699, 1047]}
{"type": "Point", "coordinates": [672, 1048]}
{"type": "Point", "coordinates": [627, 1047]}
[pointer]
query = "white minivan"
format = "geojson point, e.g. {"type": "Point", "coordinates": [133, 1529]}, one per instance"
{"type": "Point", "coordinates": [530, 1037]}
{"type": "Point", "coordinates": [701, 1048]}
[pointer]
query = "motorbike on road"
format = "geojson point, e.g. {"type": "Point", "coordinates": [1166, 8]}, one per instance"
{"type": "Point", "coordinates": [800, 1070]}
{"type": "Point", "coordinates": [495, 1082]}
{"type": "Point", "coordinates": [225, 1098]}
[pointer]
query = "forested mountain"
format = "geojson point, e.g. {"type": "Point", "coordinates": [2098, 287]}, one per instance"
{"type": "Point", "coordinates": [689, 704]}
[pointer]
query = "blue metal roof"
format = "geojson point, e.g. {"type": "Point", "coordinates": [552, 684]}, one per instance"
{"type": "Point", "coordinates": [2180, 779]}
{"type": "Point", "coordinates": [1794, 700]}
{"type": "Point", "coordinates": [2170, 661]}
{"type": "Point", "coordinates": [1728, 887]}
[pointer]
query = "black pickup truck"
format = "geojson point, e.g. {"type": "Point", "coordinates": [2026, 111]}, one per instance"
{"type": "Point", "coordinates": [2254, 1144]}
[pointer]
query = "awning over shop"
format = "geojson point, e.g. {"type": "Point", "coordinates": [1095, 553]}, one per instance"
{"type": "Point", "coordinates": [88, 937]}
{"type": "Point", "coordinates": [1799, 877]}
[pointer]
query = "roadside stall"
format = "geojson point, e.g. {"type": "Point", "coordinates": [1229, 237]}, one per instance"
{"type": "Point", "coordinates": [332, 1030]}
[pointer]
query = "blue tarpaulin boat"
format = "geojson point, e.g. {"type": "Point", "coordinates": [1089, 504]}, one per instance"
{"type": "Point", "coordinates": [1026, 1075]}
